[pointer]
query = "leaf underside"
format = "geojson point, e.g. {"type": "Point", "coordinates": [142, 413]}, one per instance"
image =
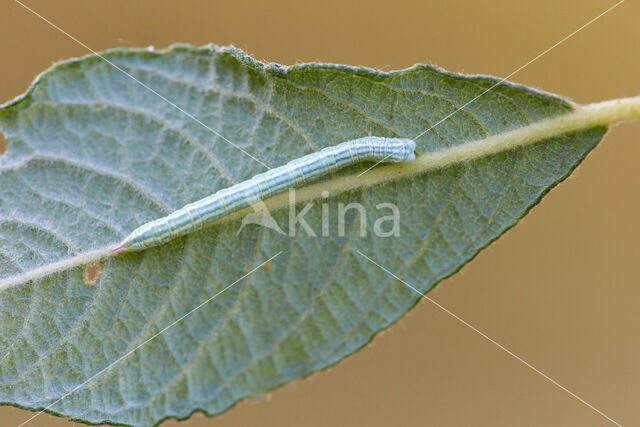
{"type": "Point", "coordinates": [92, 155]}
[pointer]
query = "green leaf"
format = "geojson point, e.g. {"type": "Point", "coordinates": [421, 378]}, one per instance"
{"type": "Point", "coordinates": [92, 154]}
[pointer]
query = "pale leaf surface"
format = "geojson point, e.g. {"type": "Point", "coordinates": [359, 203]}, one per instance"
{"type": "Point", "coordinates": [92, 155]}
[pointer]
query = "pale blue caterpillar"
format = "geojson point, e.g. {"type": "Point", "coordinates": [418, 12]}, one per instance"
{"type": "Point", "coordinates": [299, 171]}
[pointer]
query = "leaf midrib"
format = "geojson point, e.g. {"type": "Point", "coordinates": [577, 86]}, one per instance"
{"type": "Point", "coordinates": [584, 117]}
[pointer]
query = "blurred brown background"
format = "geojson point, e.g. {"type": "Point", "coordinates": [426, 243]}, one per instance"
{"type": "Point", "coordinates": [560, 290]}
